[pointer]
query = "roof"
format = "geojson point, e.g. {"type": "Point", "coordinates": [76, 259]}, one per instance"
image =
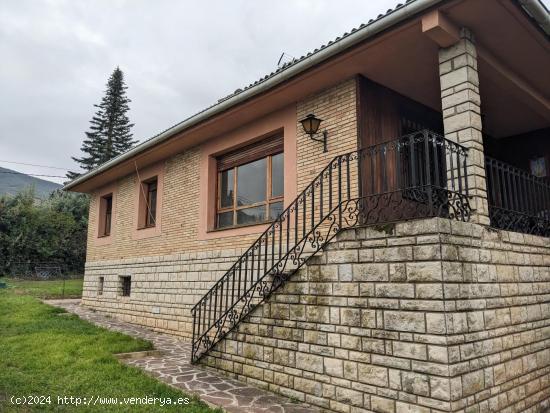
{"type": "Point", "coordinates": [534, 8]}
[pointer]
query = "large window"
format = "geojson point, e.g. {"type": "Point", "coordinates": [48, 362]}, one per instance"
{"type": "Point", "coordinates": [251, 185]}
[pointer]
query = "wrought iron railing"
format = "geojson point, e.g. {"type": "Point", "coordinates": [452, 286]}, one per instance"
{"type": "Point", "coordinates": [417, 175]}
{"type": "Point", "coordinates": [518, 201]}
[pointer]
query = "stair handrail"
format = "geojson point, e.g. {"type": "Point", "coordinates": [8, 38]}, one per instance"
{"type": "Point", "coordinates": [278, 221]}
{"type": "Point", "coordinates": [274, 224]}
{"type": "Point", "coordinates": [337, 162]}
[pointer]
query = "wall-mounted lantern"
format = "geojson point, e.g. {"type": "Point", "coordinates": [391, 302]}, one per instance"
{"type": "Point", "coordinates": [311, 125]}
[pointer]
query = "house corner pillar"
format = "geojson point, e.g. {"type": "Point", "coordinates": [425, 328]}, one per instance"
{"type": "Point", "coordinates": [461, 102]}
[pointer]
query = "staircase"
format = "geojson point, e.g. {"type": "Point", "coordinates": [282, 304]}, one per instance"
{"type": "Point", "coordinates": [415, 176]}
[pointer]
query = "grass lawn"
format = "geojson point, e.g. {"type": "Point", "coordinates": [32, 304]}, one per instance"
{"type": "Point", "coordinates": [46, 289]}
{"type": "Point", "coordinates": [45, 351]}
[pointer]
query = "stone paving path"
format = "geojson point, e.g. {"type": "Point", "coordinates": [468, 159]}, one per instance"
{"type": "Point", "coordinates": [174, 368]}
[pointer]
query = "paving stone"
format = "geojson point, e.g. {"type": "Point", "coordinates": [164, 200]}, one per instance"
{"type": "Point", "coordinates": [173, 367]}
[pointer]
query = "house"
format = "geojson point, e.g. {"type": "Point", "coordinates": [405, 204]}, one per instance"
{"type": "Point", "coordinates": [367, 228]}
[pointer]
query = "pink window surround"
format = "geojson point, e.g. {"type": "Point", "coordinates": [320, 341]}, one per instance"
{"type": "Point", "coordinates": [99, 238]}
{"type": "Point", "coordinates": [284, 121]}
{"type": "Point", "coordinates": [146, 174]}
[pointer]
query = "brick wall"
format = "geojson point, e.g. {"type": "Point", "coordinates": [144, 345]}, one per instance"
{"type": "Point", "coordinates": [337, 107]}
{"type": "Point", "coordinates": [436, 316]}
{"type": "Point", "coordinates": [170, 285]}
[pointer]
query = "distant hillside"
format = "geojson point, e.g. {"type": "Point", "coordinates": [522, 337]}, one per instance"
{"type": "Point", "coordinates": [12, 183]}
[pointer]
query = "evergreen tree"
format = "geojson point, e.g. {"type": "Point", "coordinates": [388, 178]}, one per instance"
{"type": "Point", "coordinates": [110, 131]}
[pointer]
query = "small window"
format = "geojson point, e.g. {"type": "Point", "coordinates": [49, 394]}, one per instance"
{"type": "Point", "coordinates": [105, 215]}
{"type": "Point", "coordinates": [108, 214]}
{"type": "Point", "coordinates": [250, 191]}
{"type": "Point", "coordinates": [149, 210]}
{"type": "Point", "coordinates": [101, 281]}
{"type": "Point", "coordinates": [126, 286]}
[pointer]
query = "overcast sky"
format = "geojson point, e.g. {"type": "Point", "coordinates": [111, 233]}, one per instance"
{"type": "Point", "coordinates": [178, 57]}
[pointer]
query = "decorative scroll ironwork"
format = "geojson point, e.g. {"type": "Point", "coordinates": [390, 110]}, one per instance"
{"type": "Point", "coordinates": [518, 201]}
{"type": "Point", "coordinates": [416, 176]}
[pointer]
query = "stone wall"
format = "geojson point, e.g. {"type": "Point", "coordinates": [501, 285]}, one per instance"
{"type": "Point", "coordinates": [164, 288]}
{"type": "Point", "coordinates": [461, 104]}
{"type": "Point", "coordinates": [434, 316]}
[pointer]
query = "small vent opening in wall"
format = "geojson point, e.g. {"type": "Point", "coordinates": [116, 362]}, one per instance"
{"type": "Point", "coordinates": [100, 285]}
{"type": "Point", "coordinates": [126, 286]}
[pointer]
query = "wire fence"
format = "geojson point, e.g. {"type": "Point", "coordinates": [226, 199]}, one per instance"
{"type": "Point", "coordinates": [49, 279]}
{"type": "Point", "coordinates": [43, 270]}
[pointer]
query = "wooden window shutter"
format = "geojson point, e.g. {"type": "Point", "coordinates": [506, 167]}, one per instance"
{"type": "Point", "coordinates": [249, 153]}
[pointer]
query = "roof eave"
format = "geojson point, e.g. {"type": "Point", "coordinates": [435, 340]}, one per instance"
{"type": "Point", "coordinates": [377, 26]}
{"type": "Point", "coordinates": [538, 12]}
{"type": "Point", "coordinates": [534, 7]}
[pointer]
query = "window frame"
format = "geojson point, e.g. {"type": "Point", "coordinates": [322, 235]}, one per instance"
{"type": "Point", "coordinates": [107, 214]}
{"type": "Point", "coordinates": [100, 286]}
{"type": "Point", "coordinates": [101, 237]}
{"type": "Point", "coordinates": [150, 217]}
{"type": "Point", "coordinates": [139, 230]}
{"type": "Point", "coordinates": [125, 291]}
{"type": "Point", "coordinates": [235, 208]}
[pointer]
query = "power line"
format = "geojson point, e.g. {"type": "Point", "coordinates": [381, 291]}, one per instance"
{"type": "Point", "coordinates": [21, 173]}
{"type": "Point", "coordinates": [32, 164]}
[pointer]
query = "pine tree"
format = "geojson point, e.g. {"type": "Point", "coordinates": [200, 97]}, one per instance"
{"type": "Point", "coordinates": [110, 128]}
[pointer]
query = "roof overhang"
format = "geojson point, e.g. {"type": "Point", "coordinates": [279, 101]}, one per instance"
{"type": "Point", "coordinates": [377, 50]}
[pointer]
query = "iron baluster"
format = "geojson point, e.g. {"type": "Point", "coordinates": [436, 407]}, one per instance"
{"type": "Point", "coordinates": [304, 202]}
{"type": "Point", "coordinates": [339, 192]}
{"type": "Point", "coordinates": [245, 283]}
{"type": "Point", "coordinates": [204, 318]}
{"type": "Point", "coordinates": [509, 187]}
{"type": "Point", "coordinates": [452, 169]}
{"type": "Point", "coordinates": [348, 186]}
{"type": "Point", "coordinates": [233, 278]}
{"type": "Point", "coordinates": [466, 185]}
{"type": "Point", "coordinates": [428, 179]}
{"type": "Point", "coordinates": [321, 199]}
{"type": "Point", "coordinates": [435, 154]}
{"type": "Point", "coordinates": [330, 186]}
{"type": "Point", "coordinates": [413, 162]}
{"type": "Point", "coordinates": [225, 301]}
{"type": "Point", "coordinates": [195, 326]}
{"type": "Point", "coordinates": [398, 156]}
{"type": "Point", "coordinates": [252, 269]}
{"type": "Point", "coordinates": [296, 228]}
{"type": "Point", "coordinates": [221, 297]}
{"type": "Point", "coordinates": [313, 205]}
{"type": "Point", "coordinates": [273, 243]}
{"type": "Point", "coordinates": [239, 282]}
{"type": "Point", "coordinates": [265, 252]}
{"type": "Point", "coordinates": [287, 235]}
{"type": "Point", "coordinates": [280, 237]}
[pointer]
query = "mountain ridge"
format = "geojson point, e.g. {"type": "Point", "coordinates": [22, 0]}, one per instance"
{"type": "Point", "coordinates": [12, 182]}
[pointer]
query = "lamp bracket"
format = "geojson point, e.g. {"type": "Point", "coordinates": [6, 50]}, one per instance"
{"type": "Point", "coordinates": [322, 140]}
